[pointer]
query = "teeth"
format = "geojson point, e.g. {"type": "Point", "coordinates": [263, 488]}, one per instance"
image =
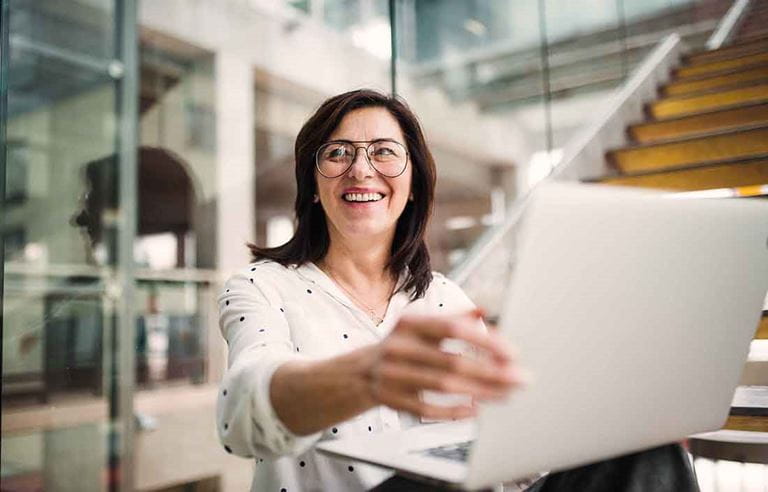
{"type": "Point", "coordinates": [363, 197]}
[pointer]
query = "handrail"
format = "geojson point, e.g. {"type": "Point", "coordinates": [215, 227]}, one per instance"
{"type": "Point", "coordinates": [728, 25]}
{"type": "Point", "coordinates": [582, 147]}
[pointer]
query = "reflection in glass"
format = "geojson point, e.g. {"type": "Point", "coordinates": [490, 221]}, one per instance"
{"type": "Point", "coordinates": [59, 357]}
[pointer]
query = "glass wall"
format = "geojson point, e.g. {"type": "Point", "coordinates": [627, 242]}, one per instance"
{"type": "Point", "coordinates": [174, 251]}
{"type": "Point", "coordinates": [518, 80]}
{"type": "Point", "coordinates": [64, 222]}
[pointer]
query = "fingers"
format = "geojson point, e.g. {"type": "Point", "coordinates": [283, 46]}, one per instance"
{"type": "Point", "coordinates": [410, 360]}
{"type": "Point", "coordinates": [410, 402]}
{"type": "Point", "coordinates": [418, 378]}
{"type": "Point", "coordinates": [429, 356]}
{"type": "Point", "coordinates": [462, 327]}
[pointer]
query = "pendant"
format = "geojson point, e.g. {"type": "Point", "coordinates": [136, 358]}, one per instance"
{"type": "Point", "coordinates": [376, 320]}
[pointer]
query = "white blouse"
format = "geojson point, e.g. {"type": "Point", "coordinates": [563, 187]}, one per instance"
{"type": "Point", "coordinates": [269, 315]}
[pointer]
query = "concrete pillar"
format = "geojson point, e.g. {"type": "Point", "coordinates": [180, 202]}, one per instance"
{"type": "Point", "coordinates": [235, 158]}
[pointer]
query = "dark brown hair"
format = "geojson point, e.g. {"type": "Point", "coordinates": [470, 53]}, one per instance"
{"type": "Point", "coordinates": [310, 242]}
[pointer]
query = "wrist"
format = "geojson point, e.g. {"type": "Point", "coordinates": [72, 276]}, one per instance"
{"type": "Point", "coordinates": [363, 363]}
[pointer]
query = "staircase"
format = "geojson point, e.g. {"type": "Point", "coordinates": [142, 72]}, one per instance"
{"type": "Point", "coordinates": [708, 129]}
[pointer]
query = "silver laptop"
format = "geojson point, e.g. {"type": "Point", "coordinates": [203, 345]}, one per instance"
{"type": "Point", "coordinates": [633, 311]}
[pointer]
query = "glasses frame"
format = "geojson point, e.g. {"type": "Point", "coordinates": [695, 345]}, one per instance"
{"type": "Point", "coordinates": [367, 157]}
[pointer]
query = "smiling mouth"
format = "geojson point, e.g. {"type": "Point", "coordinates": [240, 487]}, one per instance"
{"type": "Point", "coordinates": [362, 197]}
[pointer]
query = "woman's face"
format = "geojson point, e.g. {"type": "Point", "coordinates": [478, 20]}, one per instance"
{"type": "Point", "coordinates": [369, 218]}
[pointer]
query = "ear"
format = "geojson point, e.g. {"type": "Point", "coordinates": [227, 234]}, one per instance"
{"type": "Point", "coordinates": [410, 197]}
{"type": "Point", "coordinates": [315, 198]}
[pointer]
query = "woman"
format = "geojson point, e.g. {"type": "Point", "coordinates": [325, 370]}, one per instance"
{"type": "Point", "coordinates": [339, 330]}
{"type": "Point", "coordinates": [342, 329]}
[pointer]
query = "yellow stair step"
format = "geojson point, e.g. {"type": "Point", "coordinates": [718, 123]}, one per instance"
{"type": "Point", "coordinates": [749, 409]}
{"type": "Point", "coordinates": [729, 144]}
{"type": "Point", "coordinates": [681, 105]}
{"type": "Point", "coordinates": [688, 86]}
{"type": "Point", "coordinates": [703, 122]}
{"type": "Point", "coordinates": [752, 423]}
{"type": "Point", "coordinates": [730, 51]}
{"type": "Point", "coordinates": [709, 176]}
{"type": "Point", "coordinates": [718, 65]}
{"type": "Point", "coordinates": [762, 329]}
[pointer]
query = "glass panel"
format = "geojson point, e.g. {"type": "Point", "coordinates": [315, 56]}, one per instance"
{"type": "Point", "coordinates": [358, 29]}
{"type": "Point", "coordinates": [590, 49]}
{"type": "Point", "coordinates": [176, 230]}
{"type": "Point", "coordinates": [341, 14]}
{"type": "Point", "coordinates": [171, 333]}
{"type": "Point", "coordinates": [472, 71]}
{"type": "Point", "coordinates": [61, 211]}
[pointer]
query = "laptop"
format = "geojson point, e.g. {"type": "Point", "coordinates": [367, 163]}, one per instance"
{"type": "Point", "coordinates": [634, 313]}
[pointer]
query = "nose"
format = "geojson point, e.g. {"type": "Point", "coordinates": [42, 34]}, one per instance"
{"type": "Point", "coordinates": [360, 168]}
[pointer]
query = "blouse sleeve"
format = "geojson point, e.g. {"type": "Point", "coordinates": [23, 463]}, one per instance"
{"type": "Point", "coordinates": [259, 341]}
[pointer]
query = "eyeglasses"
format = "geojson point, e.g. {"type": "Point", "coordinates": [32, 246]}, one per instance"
{"type": "Point", "coordinates": [387, 157]}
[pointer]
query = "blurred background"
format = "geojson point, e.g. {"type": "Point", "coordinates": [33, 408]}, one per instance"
{"type": "Point", "coordinates": [144, 143]}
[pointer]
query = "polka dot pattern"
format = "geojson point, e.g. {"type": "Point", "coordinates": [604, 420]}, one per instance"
{"type": "Point", "coordinates": [319, 319]}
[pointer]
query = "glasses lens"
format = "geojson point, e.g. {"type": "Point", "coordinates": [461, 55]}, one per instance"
{"type": "Point", "coordinates": [388, 157]}
{"type": "Point", "coordinates": [334, 158]}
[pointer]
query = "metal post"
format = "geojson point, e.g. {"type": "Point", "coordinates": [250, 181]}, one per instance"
{"type": "Point", "coordinates": [545, 73]}
{"type": "Point", "coordinates": [622, 24]}
{"type": "Point", "coordinates": [4, 11]}
{"type": "Point", "coordinates": [393, 46]}
{"type": "Point", "coordinates": [125, 71]}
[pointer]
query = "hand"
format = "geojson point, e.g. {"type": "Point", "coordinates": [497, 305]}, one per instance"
{"type": "Point", "coordinates": [410, 360]}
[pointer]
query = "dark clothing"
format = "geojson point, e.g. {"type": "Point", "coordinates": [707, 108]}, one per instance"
{"type": "Point", "coordinates": [663, 469]}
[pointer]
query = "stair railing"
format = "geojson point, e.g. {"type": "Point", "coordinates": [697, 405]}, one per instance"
{"type": "Point", "coordinates": [728, 25]}
{"type": "Point", "coordinates": [584, 156]}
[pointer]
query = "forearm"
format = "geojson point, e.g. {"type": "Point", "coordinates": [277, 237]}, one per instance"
{"type": "Point", "coordinates": [311, 396]}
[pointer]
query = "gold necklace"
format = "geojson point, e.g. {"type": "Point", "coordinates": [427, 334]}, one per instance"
{"type": "Point", "coordinates": [377, 320]}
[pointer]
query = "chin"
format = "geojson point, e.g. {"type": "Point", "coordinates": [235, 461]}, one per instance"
{"type": "Point", "coordinates": [369, 228]}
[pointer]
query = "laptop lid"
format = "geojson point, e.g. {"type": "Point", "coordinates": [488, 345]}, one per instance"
{"type": "Point", "coordinates": [634, 313]}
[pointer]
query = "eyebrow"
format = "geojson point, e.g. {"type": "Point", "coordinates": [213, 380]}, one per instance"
{"type": "Point", "coordinates": [382, 139]}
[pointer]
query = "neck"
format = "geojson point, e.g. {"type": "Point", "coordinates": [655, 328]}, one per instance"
{"type": "Point", "coordinates": [359, 262]}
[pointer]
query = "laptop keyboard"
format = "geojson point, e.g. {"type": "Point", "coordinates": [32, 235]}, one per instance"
{"type": "Point", "coordinates": [458, 451]}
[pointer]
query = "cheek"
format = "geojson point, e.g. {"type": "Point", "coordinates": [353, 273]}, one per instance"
{"type": "Point", "coordinates": [402, 192]}
{"type": "Point", "coordinates": [322, 188]}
